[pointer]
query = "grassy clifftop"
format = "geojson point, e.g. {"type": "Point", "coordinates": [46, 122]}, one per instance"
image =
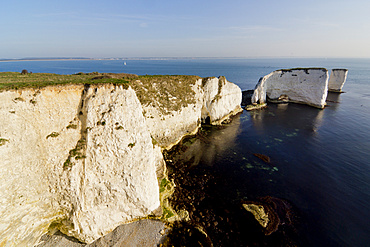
{"type": "Point", "coordinates": [167, 92]}
{"type": "Point", "coordinates": [14, 80]}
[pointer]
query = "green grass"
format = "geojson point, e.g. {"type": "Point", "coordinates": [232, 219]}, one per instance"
{"type": "Point", "coordinates": [165, 92]}
{"type": "Point", "coordinates": [3, 141]}
{"type": "Point", "coordinates": [76, 154]}
{"type": "Point", "coordinates": [14, 80]}
{"type": "Point", "coordinates": [53, 134]}
{"type": "Point", "coordinates": [167, 213]}
{"type": "Point", "coordinates": [164, 185]}
{"type": "Point", "coordinates": [72, 126]}
{"type": "Point", "coordinates": [131, 145]}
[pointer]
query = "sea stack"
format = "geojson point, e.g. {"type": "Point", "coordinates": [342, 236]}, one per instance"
{"type": "Point", "coordinates": [300, 85]}
{"type": "Point", "coordinates": [337, 79]}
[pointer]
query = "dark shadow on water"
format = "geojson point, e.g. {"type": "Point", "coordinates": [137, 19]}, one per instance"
{"type": "Point", "coordinates": [333, 100]}
{"type": "Point", "coordinates": [209, 142]}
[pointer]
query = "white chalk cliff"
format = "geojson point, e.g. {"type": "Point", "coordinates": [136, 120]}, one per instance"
{"type": "Point", "coordinates": [215, 98]}
{"type": "Point", "coordinates": [82, 159]}
{"type": "Point", "coordinates": [337, 79]}
{"type": "Point", "coordinates": [301, 85]}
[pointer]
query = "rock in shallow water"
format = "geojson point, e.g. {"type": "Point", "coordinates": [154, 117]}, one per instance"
{"type": "Point", "coordinates": [263, 157]}
{"type": "Point", "coordinates": [259, 213]}
{"type": "Point", "coordinates": [270, 212]}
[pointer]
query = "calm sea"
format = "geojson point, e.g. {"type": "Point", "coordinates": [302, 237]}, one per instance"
{"type": "Point", "coordinates": [320, 158]}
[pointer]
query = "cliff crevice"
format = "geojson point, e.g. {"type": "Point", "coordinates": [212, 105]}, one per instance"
{"type": "Point", "coordinates": [85, 158]}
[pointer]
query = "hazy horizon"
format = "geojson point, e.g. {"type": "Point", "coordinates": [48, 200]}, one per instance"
{"type": "Point", "coordinates": [169, 58]}
{"type": "Point", "coordinates": [217, 29]}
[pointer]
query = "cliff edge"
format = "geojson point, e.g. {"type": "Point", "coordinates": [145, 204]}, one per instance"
{"type": "Point", "coordinates": [84, 157]}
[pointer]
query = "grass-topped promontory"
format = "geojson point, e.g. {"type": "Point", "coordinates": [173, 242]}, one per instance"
{"type": "Point", "coordinates": [165, 92]}
{"type": "Point", "coordinates": [14, 80]}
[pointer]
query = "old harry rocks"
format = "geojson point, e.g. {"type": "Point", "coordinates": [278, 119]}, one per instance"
{"type": "Point", "coordinates": [83, 158]}
{"type": "Point", "coordinates": [300, 85]}
{"type": "Point", "coordinates": [306, 85]}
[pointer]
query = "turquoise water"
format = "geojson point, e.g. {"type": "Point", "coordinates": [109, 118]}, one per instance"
{"type": "Point", "coordinates": [320, 158]}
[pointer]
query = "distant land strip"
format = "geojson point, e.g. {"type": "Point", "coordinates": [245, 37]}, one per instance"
{"type": "Point", "coordinates": [122, 58]}
{"type": "Point", "coordinates": [50, 59]}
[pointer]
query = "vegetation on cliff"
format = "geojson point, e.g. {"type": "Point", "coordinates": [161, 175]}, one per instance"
{"type": "Point", "coordinates": [15, 80]}
{"type": "Point", "coordinates": [167, 92]}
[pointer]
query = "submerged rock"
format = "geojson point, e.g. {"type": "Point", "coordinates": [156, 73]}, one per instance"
{"type": "Point", "coordinates": [301, 85]}
{"type": "Point", "coordinates": [337, 79]}
{"type": "Point", "coordinates": [270, 212]}
{"type": "Point", "coordinates": [259, 213]}
{"type": "Point", "coordinates": [263, 157]}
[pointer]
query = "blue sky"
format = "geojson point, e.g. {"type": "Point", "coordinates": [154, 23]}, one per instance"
{"type": "Point", "coordinates": [191, 28]}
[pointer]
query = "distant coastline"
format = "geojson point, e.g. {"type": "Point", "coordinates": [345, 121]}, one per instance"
{"type": "Point", "coordinates": [85, 58]}
{"type": "Point", "coordinates": [157, 58]}
{"type": "Point", "coordinates": [121, 58]}
{"type": "Point", "coordinates": [50, 59]}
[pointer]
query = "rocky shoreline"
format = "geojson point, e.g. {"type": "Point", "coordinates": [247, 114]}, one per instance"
{"type": "Point", "coordinates": [217, 216]}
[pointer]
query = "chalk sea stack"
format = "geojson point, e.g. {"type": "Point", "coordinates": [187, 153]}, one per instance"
{"type": "Point", "coordinates": [300, 85]}
{"type": "Point", "coordinates": [337, 79]}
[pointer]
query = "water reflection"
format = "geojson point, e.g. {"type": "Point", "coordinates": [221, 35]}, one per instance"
{"type": "Point", "coordinates": [333, 100]}
{"type": "Point", "coordinates": [292, 117]}
{"type": "Point", "coordinates": [208, 144]}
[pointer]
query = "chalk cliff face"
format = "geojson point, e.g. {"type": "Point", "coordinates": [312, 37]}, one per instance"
{"type": "Point", "coordinates": [337, 79]}
{"type": "Point", "coordinates": [82, 157]}
{"type": "Point", "coordinates": [220, 99]}
{"type": "Point", "coordinates": [307, 86]}
{"type": "Point", "coordinates": [212, 98]}
{"type": "Point", "coordinates": [34, 123]}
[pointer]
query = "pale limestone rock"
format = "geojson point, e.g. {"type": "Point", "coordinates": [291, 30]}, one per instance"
{"type": "Point", "coordinates": [302, 85]}
{"type": "Point", "coordinates": [337, 79]}
{"type": "Point", "coordinates": [221, 99]}
{"type": "Point", "coordinates": [167, 127]}
{"type": "Point", "coordinates": [215, 98]}
{"type": "Point", "coordinates": [31, 161]}
{"type": "Point", "coordinates": [110, 178]}
{"type": "Point", "coordinates": [82, 157]}
{"type": "Point", "coordinates": [116, 182]}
